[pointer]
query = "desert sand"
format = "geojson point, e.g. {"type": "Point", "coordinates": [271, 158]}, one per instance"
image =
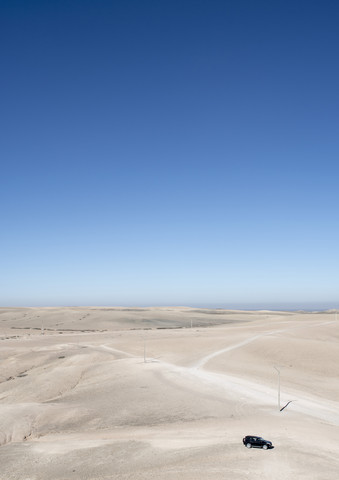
{"type": "Point", "coordinates": [98, 393]}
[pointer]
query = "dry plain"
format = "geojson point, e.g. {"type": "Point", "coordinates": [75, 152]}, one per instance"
{"type": "Point", "coordinates": [96, 393]}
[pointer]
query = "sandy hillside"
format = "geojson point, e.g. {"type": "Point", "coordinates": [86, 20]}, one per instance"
{"type": "Point", "coordinates": [165, 393]}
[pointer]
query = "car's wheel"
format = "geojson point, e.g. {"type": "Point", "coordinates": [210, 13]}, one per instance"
{"type": "Point", "coordinates": [265, 447]}
{"type": "Point", "coordinates": [248, 445]}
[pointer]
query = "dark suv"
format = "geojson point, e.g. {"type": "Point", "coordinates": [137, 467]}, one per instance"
{"type": "Point", "coordinates": [251, 441]}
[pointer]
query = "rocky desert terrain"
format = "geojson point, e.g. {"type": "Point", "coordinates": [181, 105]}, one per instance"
{"type": "Point", "coordinates": [96, 393]}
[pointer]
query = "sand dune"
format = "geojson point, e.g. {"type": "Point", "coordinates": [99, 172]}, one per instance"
{"type": "Point", "coordinates": [158, 393]}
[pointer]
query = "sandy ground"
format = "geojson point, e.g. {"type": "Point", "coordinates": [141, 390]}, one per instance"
{"type": "Point", "coordinates": [167, 393]}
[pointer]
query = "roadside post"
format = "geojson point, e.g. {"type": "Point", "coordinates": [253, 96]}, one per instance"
{"type": "Point", "coordinates": [278, 386]}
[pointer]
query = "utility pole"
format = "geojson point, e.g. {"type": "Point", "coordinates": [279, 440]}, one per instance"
{"type": "Point", "coordinates": [278, 386]}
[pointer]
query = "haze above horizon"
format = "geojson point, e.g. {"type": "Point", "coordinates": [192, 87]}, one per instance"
{"type": "Point", "coordinates": [169, 153]}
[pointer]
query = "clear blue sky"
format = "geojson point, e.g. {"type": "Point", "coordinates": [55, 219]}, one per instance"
{"type": "Point", "coordinates": [169, 153]}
